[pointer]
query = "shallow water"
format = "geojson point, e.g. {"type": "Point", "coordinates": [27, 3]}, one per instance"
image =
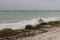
{"type": "Point", "coordinates": [17, 19]}
{"type": "Point", "coordinates": [18, 15]}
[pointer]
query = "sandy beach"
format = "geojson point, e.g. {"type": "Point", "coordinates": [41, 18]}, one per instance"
{"type": "Point", "coordinates": [53, 34]}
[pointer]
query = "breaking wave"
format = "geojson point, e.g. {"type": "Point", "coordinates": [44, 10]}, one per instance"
{"type": "Point", "coordinates": [22, 24]}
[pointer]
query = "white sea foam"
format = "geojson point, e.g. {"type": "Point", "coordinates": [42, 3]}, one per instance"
{"type": "Point", "coordinates": [51, 19]}
{"type": "Point", "coordinates": [21, 24]}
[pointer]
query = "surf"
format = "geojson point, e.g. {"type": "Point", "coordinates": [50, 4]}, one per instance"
{"type": "Point", "coordinates": [22, 24]}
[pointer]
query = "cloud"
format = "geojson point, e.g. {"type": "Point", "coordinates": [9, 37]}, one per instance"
{"type": "Point", "coordinates": [29, 4]}
{"type": "Point", "coordinates": [53, 1]}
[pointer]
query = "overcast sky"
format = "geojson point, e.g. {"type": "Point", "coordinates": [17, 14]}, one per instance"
{"type": "Point", "coordinates": [29, 4]}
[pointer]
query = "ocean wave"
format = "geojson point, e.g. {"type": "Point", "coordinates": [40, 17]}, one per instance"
{"type": "Point", "coordinates": [52, 19]}
{"type": "Point", "coordinates": [22, 24]}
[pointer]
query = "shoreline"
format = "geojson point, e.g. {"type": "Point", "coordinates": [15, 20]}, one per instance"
{"type": "Point", "coordinates": [32, 33]}
{"type": "Point", "coordinates": [26, 34]}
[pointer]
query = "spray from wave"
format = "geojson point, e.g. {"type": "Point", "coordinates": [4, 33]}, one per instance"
{"type": "Point", "coordinates": [22, 24]}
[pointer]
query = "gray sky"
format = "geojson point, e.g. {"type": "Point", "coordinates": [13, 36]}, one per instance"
{"type": "Point", "coordinates": [29, 4]}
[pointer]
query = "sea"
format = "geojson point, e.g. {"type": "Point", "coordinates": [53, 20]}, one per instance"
{"type": "Point", "coordinates": [18, 19]}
